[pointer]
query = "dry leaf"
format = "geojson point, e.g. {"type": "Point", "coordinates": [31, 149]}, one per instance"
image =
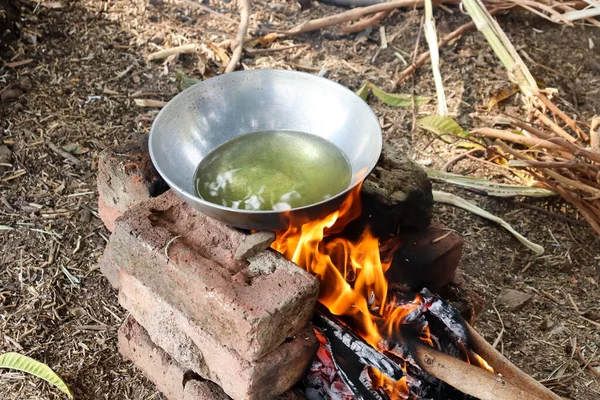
{"type": "Point", "coordinates": [263, 40]}
{"type": "Point", "coordinates": [223, 57]}
{"type": "Point", "coordinates": [502, 95]}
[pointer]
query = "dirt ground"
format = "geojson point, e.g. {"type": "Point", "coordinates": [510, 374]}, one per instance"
{"type": "Point", "coordinates": [72, 81]}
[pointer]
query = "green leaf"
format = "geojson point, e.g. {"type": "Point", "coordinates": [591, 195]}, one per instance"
{"type": "Point", "coordinates": [445, 128]}
{"type": "Point", "coordinates": [398, 99]}
{"type": "Point", "coordinates": [185, 82]}
{"type": "Point", "coordinates": [440, 125]}
{"type": "Point", "coordinates": [29, 365]}
{"type": "Point", "coordinates": [363, 92]}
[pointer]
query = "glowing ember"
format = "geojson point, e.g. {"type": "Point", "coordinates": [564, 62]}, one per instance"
{"type": "Point", "coordinates": [353, 283]}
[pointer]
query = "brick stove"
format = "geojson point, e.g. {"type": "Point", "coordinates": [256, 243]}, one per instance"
{"type": "Point", "coordinates": [214, 312]}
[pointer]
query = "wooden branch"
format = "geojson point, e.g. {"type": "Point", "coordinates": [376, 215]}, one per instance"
{"type": "Point", "coordinates": [571, 123]}
{"type": "Point", "coordinates": [351, 15]}
{"type": "Point", "coordinates": [555, 128]}
{"type": "Point", "coordinates": [468, 378]}
{"type": "Point", "coordinates": [588, 214]}
{"type": "Point", "coordinates": [508, 370]}
{"type": "Point", "coordinates": [572, 148]}
{"type": "Point", "coordinates": [244, 7]}
{"type": "Point", "coordinates": [364, 24]}
{"type": "Point", "coordinates": [513, 137]}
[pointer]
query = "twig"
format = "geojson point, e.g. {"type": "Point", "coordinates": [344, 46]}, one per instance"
{"type": "Point", "coordinates": [442, 43]}
{"type": "Point", "coordinates": [513, 137]}
{"type": "Point", "coordinates": [459, 157]}
{"type": "Point", "coordinates": [364, 24]}
{"type": "Point", "coordinates": [571, 123]}
{"type": "Point", "coordinates": [350, 15]}
{"type": "Point", "coordinates": [244, 7]}
{"type": "Point", "coordinates": [499, 338]}
{"type": "Point", "coordinates": [572, 148]}
{"type": "Point", "coordinates": [555, 128]}
{"type": "Point", "coordinates": [64, 154]}
{"type": "Point", "coordinates": [275, 49]}
{"type": "Point", "coordinates": [184, 49]}
{"type": "Point", "coordinates": [587, 363]}
{"type": "Point", "coordinates": [549, 213]}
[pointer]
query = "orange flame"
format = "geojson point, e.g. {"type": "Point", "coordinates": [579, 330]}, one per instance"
{"type": "Point", "coordinates": [352, 276]}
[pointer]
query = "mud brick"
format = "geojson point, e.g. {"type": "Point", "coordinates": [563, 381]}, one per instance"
{"type": "Point", "coordinates": [126, 177]}
{"type": "Point", "coordinates": [250, 307]}
{"type": "Point", "coordinates": [168, 376]}
{"type": "Point", "coordinates": [426, 258]}
{"type": "Point", "coordinates": [198, 351]}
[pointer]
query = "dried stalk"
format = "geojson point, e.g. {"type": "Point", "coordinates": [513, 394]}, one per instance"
{"type": "Point", "coordinates": [244, 7]}
{"type": "Point", "coordinates": [513, 137]}
{"type": "Point", "coordinates": [517, 70]}
{"type": "Point", "coordinates": [431, 37]}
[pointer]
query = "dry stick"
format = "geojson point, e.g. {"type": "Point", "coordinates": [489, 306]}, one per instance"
{"type": "Point", "coordinates": [571, 123]}
{"type": "Point", "coordinates": [573, 148]}
{"type": "Point", "coordinates": [275, 49]}
{"type": "Point", "coordinates": [350, 15]}
{"type": "Point", "coordinates": [513, 137]}
{"type": "Point", "coordinates": [468, 378]}
{"type": "Point", "coordinates": [508, 370]}
{"type": "Point", "coordinates": [574, 199]}
{"type": "Point", "coordinates": [365, 23]}
{"type": "Point", "coordinates": [595, 135]}
{"type": "Point", "coordinates": [244, 7]}
{"type": "Point", "coordinates": [587, 214]}
{"type": "Point", "coordinates": [555, 128]}
{"type": "Point", "coordinates": [184, 49]}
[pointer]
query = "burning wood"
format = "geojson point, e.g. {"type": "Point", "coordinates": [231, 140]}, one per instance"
{"type": "Point", "coordinates": [379, 344]}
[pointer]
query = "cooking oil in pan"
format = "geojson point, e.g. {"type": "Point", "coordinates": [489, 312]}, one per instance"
{"type": "Point", "coordinates": [272, 171]}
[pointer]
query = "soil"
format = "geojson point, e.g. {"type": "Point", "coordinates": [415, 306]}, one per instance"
{"type": "Point", "coordinates": [72, 80]}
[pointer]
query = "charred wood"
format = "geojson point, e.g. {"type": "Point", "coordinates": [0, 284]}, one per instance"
{"type": "Point", "coordinates": [348, 345]}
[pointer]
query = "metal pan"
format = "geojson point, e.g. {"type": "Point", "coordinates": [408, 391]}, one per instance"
{"type": "Point", "coordinates": [217, 110]}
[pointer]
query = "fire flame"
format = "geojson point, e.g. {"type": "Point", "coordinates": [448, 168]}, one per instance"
{"type": "Point", "coordinates": [352, 276]}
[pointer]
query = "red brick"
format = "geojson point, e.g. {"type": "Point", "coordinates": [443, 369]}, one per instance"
{"type": "Point", "coordinates": [198, 351]}
{"type": "Point", "coordinates": [426, 258]}
{"type": "Point", "coordinates": [126, 177]}
{"type": "Point", "coordinates": [108, 214]}
{"type": "Point", "coordinates": [168, 376]}
{"type": "Point", "coordinates": [250, 307]}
